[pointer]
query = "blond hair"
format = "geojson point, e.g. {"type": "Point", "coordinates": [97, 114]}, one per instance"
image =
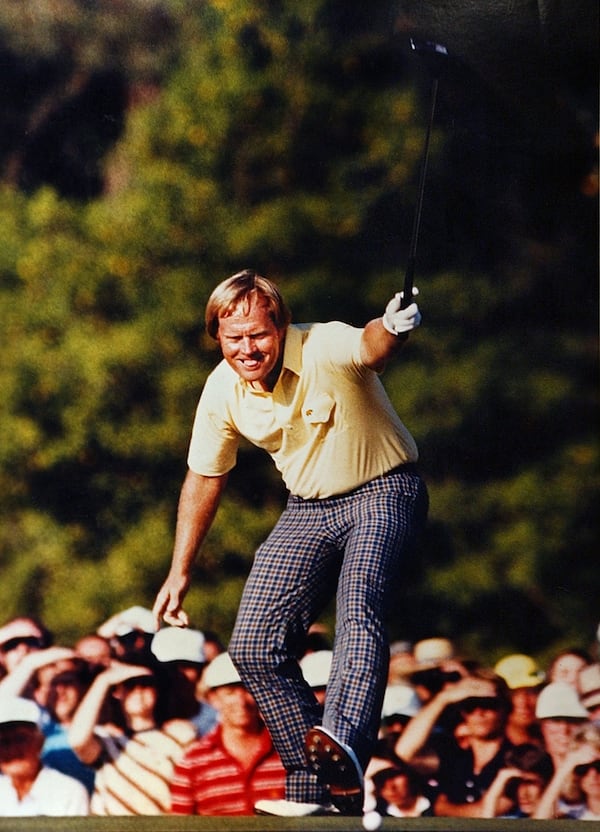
{"type": "Point", "coordinates": [238, 291]}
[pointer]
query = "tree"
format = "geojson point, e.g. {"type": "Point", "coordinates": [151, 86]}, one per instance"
{"type": "Point", "coordinates": [288, 138]}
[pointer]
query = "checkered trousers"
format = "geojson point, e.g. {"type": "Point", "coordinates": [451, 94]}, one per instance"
{"type": "Point", "coordinates": [351, 546]}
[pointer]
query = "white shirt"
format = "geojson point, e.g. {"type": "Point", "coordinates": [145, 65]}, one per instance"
{"type": "Point", "coordinates": [52, 793]}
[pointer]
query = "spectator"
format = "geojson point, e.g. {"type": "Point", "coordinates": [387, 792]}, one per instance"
{"type": "Point", "coordinates": [57, 702]}
{"type": "Point", "coordinates": [574, 791]}
{"type": "Point", "coordinates": [436, 665]}
{"type": "Point", "coordinates": [129, 633]}
{"type": "Point", "coordinates": [94, 649]}
{"type": "Point", "coordinates": [213, 646]}
{"type": "Point", "coordinates": [560, 713]}
{"type": "Point", "coordinates": [316, 667]}
{"type": "Point", "coordinates": [19, 637]}
{"type": "Point", "coordinates": [27, 787]}
{"type": "Point", "coordinates": [400, 792]}
{"type": "Point", "coordinates": [402, 662]}
{"type": "Point", "coordinates": [466, 770]}
{"type": "Point", "coordinates": [135, 764]}
{"type": "Point", "coordinates": [181, 653]}
{"type": "Point", "coordinates": [67, 689]}
{"type": "Point", "coordinates": [524, 680]}
{"type": "Point", "coordinates": [589, 691]}
{"type": "Point", "coordinates": [400, 704]}
{"type": "Point", "coordinates": [519, 786]}
{"type": "Point", "coordinates": [235, 766]}
{"type": "Point", "coordinates": [567, 664]}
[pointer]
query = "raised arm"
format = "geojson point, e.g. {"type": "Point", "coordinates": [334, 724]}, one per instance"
{"type": "Point", "coordinates": [384, 337]}
{"type": "Point", "coordinates": [82, 738]}
{"type": "Point", "coordinates": [198, 503]}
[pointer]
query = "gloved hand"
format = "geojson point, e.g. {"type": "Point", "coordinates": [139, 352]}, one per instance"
{"type": "Point", "coordinates": [397, 320]}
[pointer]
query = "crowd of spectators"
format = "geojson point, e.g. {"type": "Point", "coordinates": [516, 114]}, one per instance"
{"type": "Point", "coordinates": [129, 721]}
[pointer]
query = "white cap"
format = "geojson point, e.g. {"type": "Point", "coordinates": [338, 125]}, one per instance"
{"type": "Point", "coordinates": [178, 644]}
{"type": "Point", "coordinates": [316, 667]}
{"type": "Point", "coordinates": [431, 652]}
{"type": "Point", "coordinates": [221, 671]}
{"type": "Point", "coordinates": [19, 628]}
{"type": "Point", "coordinates": [128, 621]}
{"type": "Point", "coordinates": [18, 709]}
{"type": "Point", "coordinates": [400, 699]}
{"type": "Point", "coordinates": [559, 700]}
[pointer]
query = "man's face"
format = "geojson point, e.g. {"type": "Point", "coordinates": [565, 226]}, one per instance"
{"type": "Point", "coordinates": [483, 717]}
{"type": "Point", "coordinates": [20, 747]}
{"type": "Point", "coordinates": [251, 344]}
{"type": "Point", "coordinates": [236, 707]}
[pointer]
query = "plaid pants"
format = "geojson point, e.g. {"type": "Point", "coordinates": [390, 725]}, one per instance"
{"type": "Point", "coordinates": [356, 542]}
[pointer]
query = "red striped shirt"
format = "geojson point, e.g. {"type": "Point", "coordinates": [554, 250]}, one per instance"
{"type": "Point", "coordinates": [207, 780]}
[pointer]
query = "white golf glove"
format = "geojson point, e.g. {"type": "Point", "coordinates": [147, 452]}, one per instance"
{"type": "Point", "coordinates": [397, 320]}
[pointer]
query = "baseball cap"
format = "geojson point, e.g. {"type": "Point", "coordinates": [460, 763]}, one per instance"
{"type": "Point", "coordinates": [316, 667]}
{"type": "Point", "coordinates": [400, 700]}
{"type": "Point", "coordinates": [431, 652]}
{"type": "Point", "coordinates": [178, 644]}
{"type": "Point", "coordinates": [559, 700]}
{"type": "Point", "coordinates": [589, 686]}
{"type": "Point", "coordinates": [20, 628]}
{"type": "Point", "coordinates": [18, 709]}
{"type": "Point", "coordinates": [128, 621]}
{"type": "Point", "coordinates": [519, 671]}
{"type": "Point", "coordinates": [220, 672]}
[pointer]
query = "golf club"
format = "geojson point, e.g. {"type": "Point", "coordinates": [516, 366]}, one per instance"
{"type": "Point", "coordinates": [435, 53]}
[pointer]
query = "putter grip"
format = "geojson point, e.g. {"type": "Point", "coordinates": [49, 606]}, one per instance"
{"type": "Point", "coordinates": [407, 291]}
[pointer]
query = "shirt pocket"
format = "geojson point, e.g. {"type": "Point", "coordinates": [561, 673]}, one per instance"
{"type": "Point", "coordinates": [319, 409]}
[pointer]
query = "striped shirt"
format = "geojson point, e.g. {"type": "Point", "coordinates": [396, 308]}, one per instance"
{"type": "Point", "coordinates": [135, 772]}
{"type": "Point", "coordinates": [209, 781]}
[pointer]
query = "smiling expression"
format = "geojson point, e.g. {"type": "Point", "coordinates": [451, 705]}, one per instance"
{"type": "Point", "coordinates": [252, 344]}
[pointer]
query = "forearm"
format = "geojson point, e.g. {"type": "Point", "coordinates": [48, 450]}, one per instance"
{"type": "Point", "coordinates": [15, 682]}
{"type": "Point", "coordinates": [547, 807]}
{"type": "Point", "coordinates": [81, 730]}
{"type": "Point", "coordinates": [378, 345]}
{"type": "Point", "coordinates": [198, 503]}
{"type": "Point", "coordinates": [417, 731]}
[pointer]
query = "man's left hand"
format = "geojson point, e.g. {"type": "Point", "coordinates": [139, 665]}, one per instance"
{"type": "Point", "coordinates": [397, 320]}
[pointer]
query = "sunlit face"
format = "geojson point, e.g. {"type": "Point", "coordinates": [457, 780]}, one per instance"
{"type": "Point", "coordinates": [557, 734]}
{"type": "Point", "coordinates": [566, 669]}
{"type": "Point", "coordinates": [236, 706]}
{"type": "Point", "coordinates": [590, 779]}
{"type": "Point", "coordinates": [523, 706]}
{"type": "Point", "coordinates": [138, 698]}
{"type": "Point", "coordinates": [66, 699]}
{"type": "Point", "coordinates": [397, 791]}
{"type": "Point", "coordinates": [483, 722]}
{"type": "Point", "coordinates": [252, 344]}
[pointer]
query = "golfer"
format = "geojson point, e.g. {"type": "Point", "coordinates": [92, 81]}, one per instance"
{"type": "Point", "coordinates": [310, 395]}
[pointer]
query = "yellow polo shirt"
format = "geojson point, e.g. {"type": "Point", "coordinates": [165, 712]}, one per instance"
{"type": "Point", "coordinates": [328, 423]}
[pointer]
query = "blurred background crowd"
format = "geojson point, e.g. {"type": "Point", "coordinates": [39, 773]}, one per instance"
{"type": "Point", "coordinates": [129, 721]}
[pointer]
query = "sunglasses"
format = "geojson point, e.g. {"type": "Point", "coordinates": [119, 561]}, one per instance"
{"type": "Point", "coordinates": [582, 770]}
{"type": "Point", "coordinates": [13, 643]}
{"type": "Point", "coordinates": [487, 703]}
{"type": "Point", "coordinates": [139, 682]}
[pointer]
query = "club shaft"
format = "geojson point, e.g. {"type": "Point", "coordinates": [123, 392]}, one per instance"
{"type": "Point", "coordinates": [412, 252]}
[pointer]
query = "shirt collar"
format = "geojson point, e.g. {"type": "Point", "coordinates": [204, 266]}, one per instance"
{"type": "Point", "coordinates": [292, 352]}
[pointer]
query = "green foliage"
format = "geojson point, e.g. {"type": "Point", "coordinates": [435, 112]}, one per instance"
{"type": "Point", "coordinates": [287, 137]}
